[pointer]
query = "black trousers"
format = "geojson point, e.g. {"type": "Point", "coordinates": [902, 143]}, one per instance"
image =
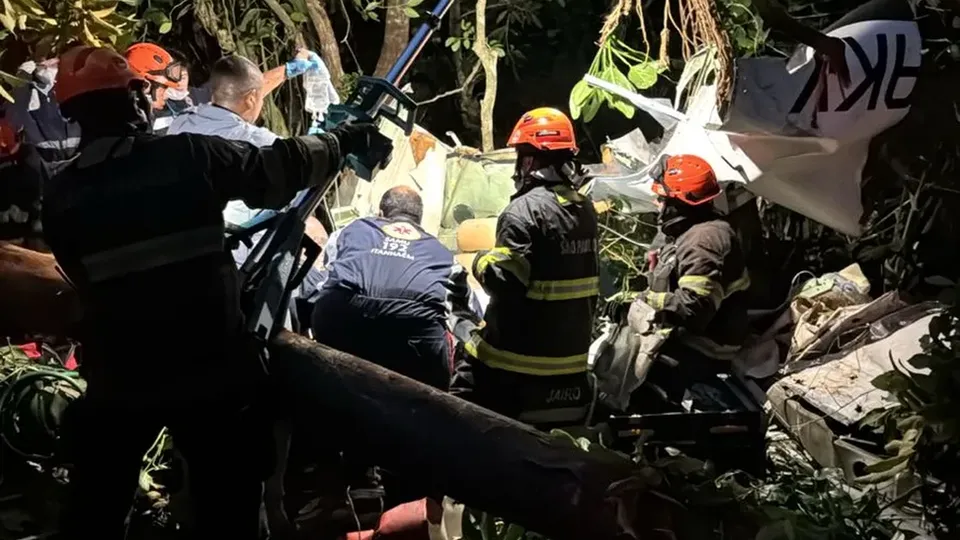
{"type": "Point", "coordinates": [223, 433]}
{"type": "Point", "coordinates": [369, 329]}
{"type": "Point", "coordinates": [419, 349]}
{"type": "Point", "coordinates": [542, 401]}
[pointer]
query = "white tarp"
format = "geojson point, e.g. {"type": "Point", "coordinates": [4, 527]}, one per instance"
{"type": "Point", "coordinates": [788, 137]}
{"type": "Point", "coordinates": [418, 161]}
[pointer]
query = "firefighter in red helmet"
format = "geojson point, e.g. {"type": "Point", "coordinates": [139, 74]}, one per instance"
{"type": "Point", "coordinates": [529, 359]}
{"type": "Point", "coordinates": [149, 278]}
{"type": "Point", "coordinates": [699, 276]}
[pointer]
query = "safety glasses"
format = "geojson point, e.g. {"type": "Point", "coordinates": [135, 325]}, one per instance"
{"type": "Point", "coordinates": [174, 72]}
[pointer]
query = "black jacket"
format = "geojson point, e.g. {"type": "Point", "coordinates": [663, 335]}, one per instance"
{"type": "Point", "coordinates": [699, 284]}
{"type": "Point", "coordinates": [136, 224]}
{"type": "Point", "coordinates": [542, 279]}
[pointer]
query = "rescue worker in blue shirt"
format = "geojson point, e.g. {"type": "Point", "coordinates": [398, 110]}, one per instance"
{"type": "Point", "coordinates": [237, 90]}
{"type": "Point", "coordinates": [390, 292]}
{"type": "Point", "coordinates": [165, 343]}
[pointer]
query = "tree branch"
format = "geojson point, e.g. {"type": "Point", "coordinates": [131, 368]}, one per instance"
{"type": "Point", "coordinates": [466, 82]}
{"type": "Point", "coordinates": [329, 50]}
{"type": "Point", "coordinates": [288, 23]}
{"type": "Point", "coordinates": [488, 59]}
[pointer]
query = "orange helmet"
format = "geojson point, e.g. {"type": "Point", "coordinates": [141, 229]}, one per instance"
{"type": "Point", "coordinates": [9, 142]}
{"type": "Point", "coordinates": [687, 178]}
{"type": "Point", "coordinates": [86, 69]}
{"type": "Point", "coordinates": [544, 129]}
{"type": "Point", "coordinates": [154, 64]}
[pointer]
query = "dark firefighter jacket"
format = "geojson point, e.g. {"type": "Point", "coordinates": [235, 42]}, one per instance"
{"type": "Point", "coordinates": [158, 284]}
{"type": "Point", "coordinates": [21, 180]}
{"type": "Point", "coordinates": [405, 272]}
{"type": "Point", "coordinates": [698, 286]}
{"type": "Point", "coordinates": [38, 113]}
{"type": "Point", "coordinates": [542, 278]}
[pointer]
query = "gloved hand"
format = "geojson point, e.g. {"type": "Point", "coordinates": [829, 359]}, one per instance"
{"type": "Point", "coordinates": [354, 138]}
{"type": "Point", "coordinates": [304, 61]}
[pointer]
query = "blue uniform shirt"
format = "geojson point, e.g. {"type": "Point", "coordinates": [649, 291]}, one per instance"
{"type": "Point", "coordinates": [394, 261]}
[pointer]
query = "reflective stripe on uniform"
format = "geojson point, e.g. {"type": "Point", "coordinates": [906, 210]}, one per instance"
{"type": "Point", "coordinates": [66, 144]}
{"type": "Point", "coordinates": [566, 415]}
{"type": "Point", "coordinates": [708, 288]}
{"type": "Point", "coordinates": [564, 289]}
{"type": "Point", "coordinates": [566, 195]}
{"type": "Point", "coordinates": [656, 300]}
{"type": "Point", "coordinates": [522, 363]}
{"type": "Point", "coordinates": [153, 253]}
{"type": "Point", "coordinates": [703, 286]}
{"type": "Point", "coordinates": [740, 284]}
{"type": "Point", "coordinates": [504, 258]}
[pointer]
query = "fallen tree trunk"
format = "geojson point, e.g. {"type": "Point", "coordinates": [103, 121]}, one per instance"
{"type": "Point", "coordinates": [482, 459]}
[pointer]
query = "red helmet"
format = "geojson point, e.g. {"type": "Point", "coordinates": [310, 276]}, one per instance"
{"type": "Point", "coordinates": [687, 178]}
{"type": "Point", "coordinates": [9, 142]}
{"type": "Point", "coordinates": [544, 129]}
{"type": "Point", "coordinates": [154, 64]}
{"type": "Point", "coordinates": [86, 69]}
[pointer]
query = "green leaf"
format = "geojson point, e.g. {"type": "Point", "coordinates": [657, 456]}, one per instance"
{"type": "Point", "coordinates": [165, 27]}
{"type": "Point", "coordinates": [414, 3]}
{"type": "Point", "coordinates": [591, 107]}
{"type": "Point", "coordinates": [888, 464]}
{"type": "Point", "coordinates": [920, 361]}
{"type": "Point", "coordinates": [8, 22]}
{"type": "Point", "coordinates": [455, 46]}
{"type": "Point", "coordinates": [891, 381]}
{"type": "Point", "coordinates": [298, 17]}
{"type": "Point", "coordinates": [412, 13]}
{"type": "Point", "coordinates": [578, 97]}
{"type": "Point", "coordinates": [644, 75]}
{"type": "Point", "coordinates": [450, 41]}
{"type": "Point", "coordinates": [513, 532]}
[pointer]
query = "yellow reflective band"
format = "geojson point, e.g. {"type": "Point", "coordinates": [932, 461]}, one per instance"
{"type": "Point", "coordinates": [656, 300]}
{"type": "Point", "coordinates": [564, 289]}
{"type": "Point", "coordinates": [506, 259]}
{"type": "Point", "coordinates": [522, 363]}
{"type": "Point", "coordinates": [741, 284]}
{"type": "Point", "coordinates": [566, 195]}
{"type": "Point", "coordinates": [703, 286]}
{"type": "Point", "coordinates": [153, 253]}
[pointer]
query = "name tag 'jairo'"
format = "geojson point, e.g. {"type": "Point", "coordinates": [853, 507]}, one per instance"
{"type": "Point", "coordinates": [564, 395]}
{"type": "Point", "coordinates": [578, 247]}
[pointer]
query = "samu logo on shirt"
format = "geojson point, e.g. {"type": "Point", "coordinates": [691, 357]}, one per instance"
{"type": "Point", "coordinates": [401, 231]}
{"type": "Point", "coordinates": [397, 241]}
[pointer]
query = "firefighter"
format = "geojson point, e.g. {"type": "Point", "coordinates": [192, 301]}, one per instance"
{"type": "Point", "coordinates": [171, 93]}
{"type": "Point", "coordinates": [135, 223]}
{"type": "Point", "coordinates": [698, 277]}
{"type": "Point", "coordinates": [36, 114]}
{"type": "Point", "coordinates": [529, 360]}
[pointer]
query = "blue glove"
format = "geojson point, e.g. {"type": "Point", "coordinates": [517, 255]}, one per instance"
{"type": "Point", "coordinates": [299, 66]}
{"type": "Point", "coordinates": [315, 129]}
